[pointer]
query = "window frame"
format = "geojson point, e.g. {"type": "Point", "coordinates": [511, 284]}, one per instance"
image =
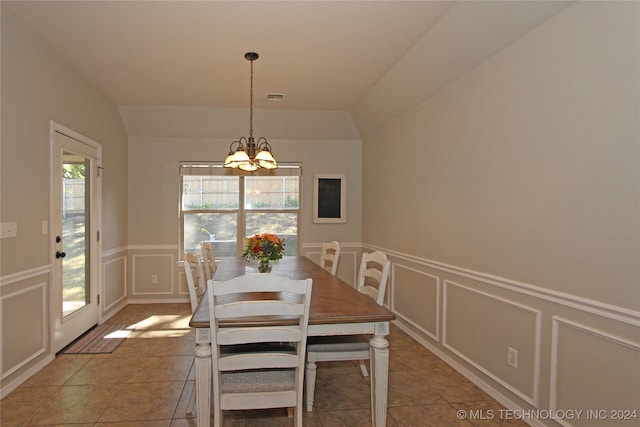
{"type": "Point", "coordinates": [217, 169]}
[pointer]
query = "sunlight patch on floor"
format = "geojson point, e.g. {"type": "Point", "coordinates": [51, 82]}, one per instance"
{"type": "Point", "coordinates": [164, 321]}
{"type": "Point", "coordinates": [118, 334]}
{"type": "Point", "coordinates": [161, 334]}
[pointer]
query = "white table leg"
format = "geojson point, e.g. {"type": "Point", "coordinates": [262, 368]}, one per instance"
{"type": "Point", "coordinates": [203, 376]}
{"type": "Point", "coordinates": [379, 358]}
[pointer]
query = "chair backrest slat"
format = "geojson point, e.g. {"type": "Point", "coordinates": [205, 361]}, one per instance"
{"type": "Point", "coordinates": [256, 334]}
{"type": "Point", "coordinates": [259, 308]}
{"type": "Point", "coordinates": [239, 362]}
{"type": "Point", "coordinates": [330, 256]}
{"type": "Point", "coordinates": [258, 282]}
{"type": "Point", "coordinates": [373, 275]}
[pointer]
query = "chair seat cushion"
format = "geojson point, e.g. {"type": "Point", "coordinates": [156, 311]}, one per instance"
{"type": "Point", "coordinates": [338, 343]}
{"type": "Point", "coordinates": [258, 381]}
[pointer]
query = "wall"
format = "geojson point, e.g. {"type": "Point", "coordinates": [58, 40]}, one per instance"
{"type": "Point", "coordinates": [37, 88]}
{"type": "Point", "coordinates": [520, 219]}
{"type": "Point", "coordinates": [154, 181]}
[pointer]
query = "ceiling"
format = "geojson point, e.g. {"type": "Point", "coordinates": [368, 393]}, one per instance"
{"type": "Point", "coordinates": [323, 55]}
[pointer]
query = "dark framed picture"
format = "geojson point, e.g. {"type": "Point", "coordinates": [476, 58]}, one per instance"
{"type": "Point", "coordinates": [329, 198]}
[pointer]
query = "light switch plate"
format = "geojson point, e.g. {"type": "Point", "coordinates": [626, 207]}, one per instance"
{"type": "Point", "coordinates": [8, 229]}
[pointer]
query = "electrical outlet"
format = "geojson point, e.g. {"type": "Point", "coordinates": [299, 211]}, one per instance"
{"type": "Point", "coordinates": [512, 357]}
{"type": "Point", "coordinates": [154, 279]}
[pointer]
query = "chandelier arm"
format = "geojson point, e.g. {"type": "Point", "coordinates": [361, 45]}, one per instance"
{"type": "Point", "coordinates": [241, 146]}
{"type": "Point", "coordinates": [262, 144]}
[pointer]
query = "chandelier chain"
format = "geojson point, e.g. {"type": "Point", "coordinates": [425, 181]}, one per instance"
{"type": "Point", "coordinates": [251, 105]}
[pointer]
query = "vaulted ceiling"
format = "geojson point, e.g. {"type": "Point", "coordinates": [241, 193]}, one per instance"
{"type": "Point", "coordinates": [323, 55]}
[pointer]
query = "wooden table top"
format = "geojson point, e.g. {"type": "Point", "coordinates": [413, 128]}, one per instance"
{"type": "Point", "coordinates": [332, 300]}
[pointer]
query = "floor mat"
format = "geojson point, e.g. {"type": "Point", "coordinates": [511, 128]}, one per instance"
{"type": "Point", "coordinates": [101, 339]}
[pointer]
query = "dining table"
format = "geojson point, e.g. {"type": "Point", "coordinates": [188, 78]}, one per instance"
{"type": "Point", "coordinates": [337, 308]}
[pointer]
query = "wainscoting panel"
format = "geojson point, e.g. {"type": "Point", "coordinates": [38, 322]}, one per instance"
{"type": "Point", "coordinates": [590, 367]}
{"type": "Point", "coordinates": [114, 282]}
{"type": "Point", "coordinates": [150, 268]}
{"type": "Point", "coordinates": [24, 327]}
{"type": "Point", "coordinates": [481, 328]}
{"type": "Point", "coordinates": [415, 298]}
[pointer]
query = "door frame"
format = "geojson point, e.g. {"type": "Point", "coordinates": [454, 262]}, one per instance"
{"type": "Point", "coordinates": [95, 227]}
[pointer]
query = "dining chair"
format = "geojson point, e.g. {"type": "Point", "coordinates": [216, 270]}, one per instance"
{"type": "Point", "coordinates": [330, 256]}
{"type": "Point", "coordinates": [372, 281]}
{"type": "Point", "coordinates": [208, 259]}
{"type": "Point", "coordinates": [196, 286]}
{"type": "Point", "coordinates": [195, 278]}
{"type": "Point", "coordinates": [256, 365]}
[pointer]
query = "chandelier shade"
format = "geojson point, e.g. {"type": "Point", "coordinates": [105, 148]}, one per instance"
{"type": "Point", "coordinates": [247, 153]}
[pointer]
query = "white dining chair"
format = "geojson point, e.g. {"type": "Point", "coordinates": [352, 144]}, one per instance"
{"type": "Point", "coordinates": [196, 286]}
{"type": "Point", "coordinates": [372, 280]}
{"type": "Point", "coordinates": [195, 278]}
{"type": "Point", "coordinates": [330, 256]}
{"type": "Point", "coordinates": [208, 259]}
{"type": "Point", "coordinates": [257, 365]}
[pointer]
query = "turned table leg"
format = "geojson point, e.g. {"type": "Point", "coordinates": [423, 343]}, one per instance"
{"type": "Point", "coordinates": [379, 357]}
{"type": "Point", "coordinates": [203, 376]}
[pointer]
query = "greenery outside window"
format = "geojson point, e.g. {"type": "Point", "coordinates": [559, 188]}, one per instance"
{"type": "Point", "coordinates": [225, 206]}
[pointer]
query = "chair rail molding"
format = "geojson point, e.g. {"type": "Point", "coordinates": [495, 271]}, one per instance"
{"type": "Point", "coordinates": [609, 311]}
{"type": "Point", "coordinates": [24, 275]}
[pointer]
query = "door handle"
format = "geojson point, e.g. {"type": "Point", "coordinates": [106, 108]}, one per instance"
{"type": "Point", "coordinates": [60, 254]}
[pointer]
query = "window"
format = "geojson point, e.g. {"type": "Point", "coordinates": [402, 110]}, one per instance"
{"type": "Point", "coordinates": [225, 206]}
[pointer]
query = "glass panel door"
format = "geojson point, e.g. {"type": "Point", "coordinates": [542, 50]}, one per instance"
{"type": "Point", "coordinates": [74, 225]}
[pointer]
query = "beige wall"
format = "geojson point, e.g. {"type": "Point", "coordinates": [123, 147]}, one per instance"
{"type": "Point", "coordinates": [529, 161]}
{"type": "Point", "coordinates": [37, 88]}
{"type": "Point", "coordinates": [520, 222]}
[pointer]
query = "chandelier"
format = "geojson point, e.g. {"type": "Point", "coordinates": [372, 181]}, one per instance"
{"type": "Point", "coordinates": [246, 153]}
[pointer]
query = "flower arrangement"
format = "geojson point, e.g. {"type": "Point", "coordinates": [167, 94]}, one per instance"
{"type": "Point", "coordinates": [204, 230]}
{"type": "Point", "coordinates": [265, 247]}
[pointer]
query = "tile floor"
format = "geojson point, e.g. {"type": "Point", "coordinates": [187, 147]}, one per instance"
{"type": "Point", "coordinates": [147, 380]}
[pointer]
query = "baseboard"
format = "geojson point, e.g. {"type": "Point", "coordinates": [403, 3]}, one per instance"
{"type": "Point", "coordinates": [15, 383]}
